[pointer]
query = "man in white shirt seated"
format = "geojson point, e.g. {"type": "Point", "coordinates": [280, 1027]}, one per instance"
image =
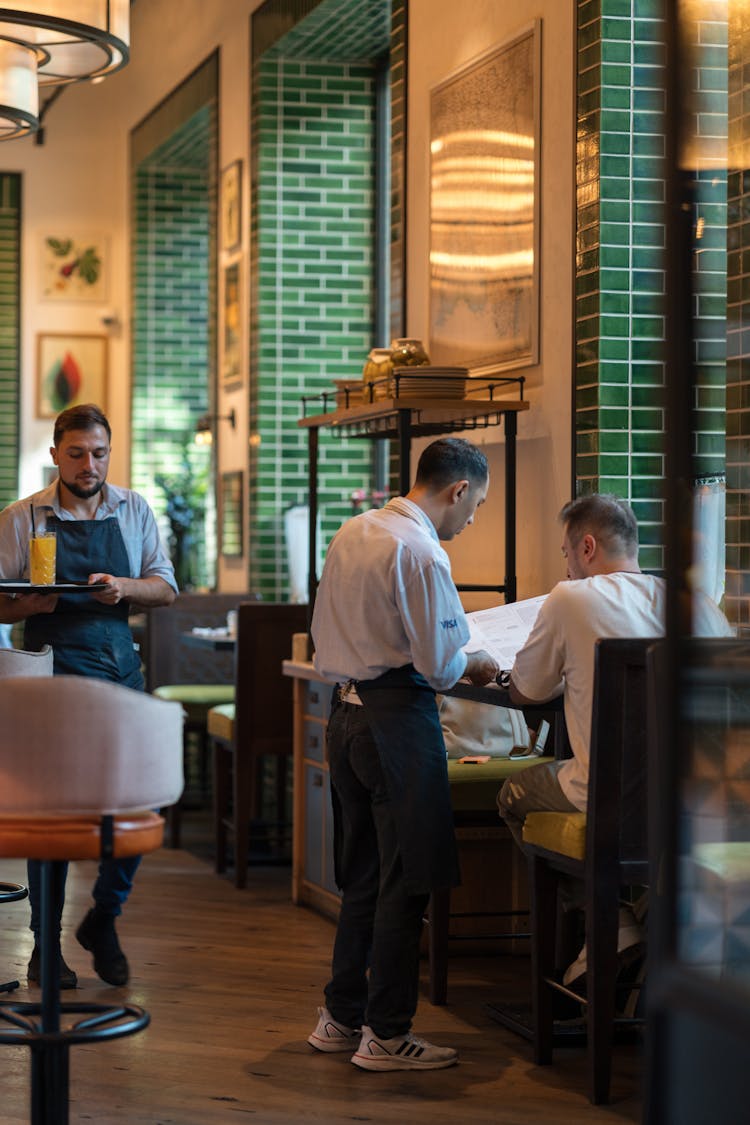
{"type": "Point", "coordinates": [607, 595]}
{"type": "Point", "coordinates": [389, 627]}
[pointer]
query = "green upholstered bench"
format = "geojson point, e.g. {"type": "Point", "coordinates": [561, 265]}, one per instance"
{"type": "Point", "coordinates": [474, 786]}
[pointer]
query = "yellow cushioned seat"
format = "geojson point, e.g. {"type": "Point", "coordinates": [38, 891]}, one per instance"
{"type": "Point", "coordinates": [220, 723]}
{"type": "Point", "coordinates": [557, 832]}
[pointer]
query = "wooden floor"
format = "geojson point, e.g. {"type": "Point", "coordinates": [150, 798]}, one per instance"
{"type": "Point", "coordinates": [232, 980]}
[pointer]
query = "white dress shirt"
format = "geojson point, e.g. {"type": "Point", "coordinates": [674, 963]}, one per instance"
{"type": "Point", "coordinates": [386, 598]}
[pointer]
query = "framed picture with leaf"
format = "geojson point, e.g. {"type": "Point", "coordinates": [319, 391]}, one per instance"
{"type": "Point", "coordinates": [71, 368]}
{"type": "Point", "coordinates": [74, 267]}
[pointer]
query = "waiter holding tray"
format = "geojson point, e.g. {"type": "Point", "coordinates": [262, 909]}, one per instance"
{"type": "Point", "coordinates": [106, 539]}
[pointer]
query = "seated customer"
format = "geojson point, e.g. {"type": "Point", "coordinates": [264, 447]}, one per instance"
{"type": "Point", "coordinates": [607, 596]}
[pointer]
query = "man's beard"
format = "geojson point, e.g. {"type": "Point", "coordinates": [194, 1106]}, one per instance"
{"type": "Point", "coordinates": [84, 493]}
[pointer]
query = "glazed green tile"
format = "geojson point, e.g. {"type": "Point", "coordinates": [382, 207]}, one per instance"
{"type": "Point", "coordinates": [614, 441]}
{"type": "Point", "coordinates": [614, 349]}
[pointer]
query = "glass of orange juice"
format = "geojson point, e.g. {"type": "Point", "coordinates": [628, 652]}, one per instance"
{"type": "Point", "coordinates": [42, 558]}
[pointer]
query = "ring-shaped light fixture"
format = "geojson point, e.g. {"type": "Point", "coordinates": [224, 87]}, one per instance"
{"type": "Point", "coordinates": [73, 39]}
{"type": "Point", "coordinates": [19, 93]}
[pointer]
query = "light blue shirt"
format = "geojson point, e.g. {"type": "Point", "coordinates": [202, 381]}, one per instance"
{"type": "Point", "coordinates": [146, 555]}
{"type": "Point", "coordinates": [386, 599]}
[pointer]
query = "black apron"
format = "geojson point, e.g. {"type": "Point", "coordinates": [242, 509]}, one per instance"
{"type": "Point", "coordinates": [403, 718]}
{"type": "Point", "coordinates": [87, 637]}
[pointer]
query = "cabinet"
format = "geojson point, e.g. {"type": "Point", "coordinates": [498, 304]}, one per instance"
{"type": "Point", "coordinates": [313, 882]}
{"type": "Point", "coordinates": [402, 419]}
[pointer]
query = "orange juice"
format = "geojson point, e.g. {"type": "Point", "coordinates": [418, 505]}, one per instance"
{"type": "Point", "coordinates": [42, 557]}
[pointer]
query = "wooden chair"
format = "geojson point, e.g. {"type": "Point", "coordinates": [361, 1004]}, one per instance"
{"type": "Point", "coordinates": [606, 848]}
{"type": "Point", "coordinates": [196, 678]}
{"type": "Point", "coordinates": [79, 760]}
{"type": "Point", "coordinates": [257, 725]}
{"type": "Point", "coordinates": [483, 837]}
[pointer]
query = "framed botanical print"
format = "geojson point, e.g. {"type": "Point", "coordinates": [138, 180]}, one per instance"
{"type": "Point", "coordinates": [74, 267]}
{"type": "Point", "coordinates": [231, 514]}
{"type": "Point", "coordinates": [231, 335]}
{"type": "Point", "coordinates": [71, 368]}
{"type": "Point", "coordinates": [231, 206]}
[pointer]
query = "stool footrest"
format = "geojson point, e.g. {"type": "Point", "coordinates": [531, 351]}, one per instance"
{"type": "Point", "coordinates": [21, 1023]}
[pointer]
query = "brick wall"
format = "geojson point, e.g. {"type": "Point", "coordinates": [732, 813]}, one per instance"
{"type": "Point", "coordinates": [10, 301]}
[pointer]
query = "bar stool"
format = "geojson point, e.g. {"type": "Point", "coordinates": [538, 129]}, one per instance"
{"type": "Point", "coordinates": [94, 755]}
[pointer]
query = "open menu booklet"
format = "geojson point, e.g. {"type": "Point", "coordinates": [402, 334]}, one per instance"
{"type": "Point", "coordinates": [502, 630]}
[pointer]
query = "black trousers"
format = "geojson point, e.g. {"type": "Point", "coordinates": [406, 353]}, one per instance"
{"type": "Point", "coordinates": [380, 924]}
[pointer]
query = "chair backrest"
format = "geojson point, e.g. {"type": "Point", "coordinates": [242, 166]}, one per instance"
{"type": "Point", "coordinates": [19, 662]}
{"type": "Point", "coordinates": [617, 810]}
{"type": "Point", "coordinates": [168, 661]}
{"type": "Point", "coordinates": [263, 695]}
{"type": "Point", "coordinates": [72, 745]}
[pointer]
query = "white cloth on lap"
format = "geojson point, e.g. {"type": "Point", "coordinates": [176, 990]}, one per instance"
{"type": "Point", "coordinates": [470, 728]}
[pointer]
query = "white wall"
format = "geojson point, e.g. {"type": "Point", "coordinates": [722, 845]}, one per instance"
{"type": "Point", "coordinates": [79, 180]}
{"type": "Point", "coordinates": [443, 36]}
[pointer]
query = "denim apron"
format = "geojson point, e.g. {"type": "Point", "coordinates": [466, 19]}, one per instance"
{"type": "Point", "coordinates": [403, 719]}
{"type": "Point", "coordinates": [87, 637]}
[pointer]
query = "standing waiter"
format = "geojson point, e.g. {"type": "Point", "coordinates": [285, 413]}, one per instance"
{"type": "Point", "coordinates": [388, 626]}
{"type": "Point", "coordinates": [105, 535]}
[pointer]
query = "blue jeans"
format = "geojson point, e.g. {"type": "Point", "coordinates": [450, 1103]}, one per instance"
{"type": "Point", "coordinates": [111, 889]}
{"type": "Point", "coordinates": [380, 925]}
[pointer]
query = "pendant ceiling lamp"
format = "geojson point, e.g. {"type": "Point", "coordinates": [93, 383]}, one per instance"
{"type": "Point", "coordinates": [19, 93]}
{"type": "Point", "coordinates": [72, 39]}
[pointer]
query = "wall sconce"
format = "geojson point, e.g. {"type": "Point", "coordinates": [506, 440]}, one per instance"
{"type": "Point", "coordinates": [204, 428]}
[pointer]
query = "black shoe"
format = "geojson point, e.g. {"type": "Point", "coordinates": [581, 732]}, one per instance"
{"type": "Point", "coordinates": [68, 979]}
{"type": "Point", "coordinates": [97, 934]}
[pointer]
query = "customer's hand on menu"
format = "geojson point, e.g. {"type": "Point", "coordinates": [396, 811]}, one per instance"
{"type": "Point", "coordinates": [481, 668]}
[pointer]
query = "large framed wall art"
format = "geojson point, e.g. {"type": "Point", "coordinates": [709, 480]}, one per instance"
{"type": "Point", "coordinates": [71, 368]}
{"type": "Point", "coordinates": [484, 209]}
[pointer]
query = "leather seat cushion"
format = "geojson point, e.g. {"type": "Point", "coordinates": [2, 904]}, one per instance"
{"type": "Point", "coordinates": [557, 832]}
{"type": "Point", "coordinates": [77, 837]}
{"type": "Point", "coordinates": [220, 722]}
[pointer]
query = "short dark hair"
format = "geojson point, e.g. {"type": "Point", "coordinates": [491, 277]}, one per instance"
{"type": "Point", "coordinates": [450, 459]}
{"type": "Point", "coordinates": [83, 417]}
{"type": "Point", "coordinates": [608, 517]}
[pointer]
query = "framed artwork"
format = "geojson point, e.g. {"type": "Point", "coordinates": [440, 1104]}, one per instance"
{"type": "Point", "coordinates": [231, 514]}
{"type": "Point", "coordinates": [71, 368]}
{"type": "Point", "coordinates": [231, 206]}
{"type": "Point", "coordinates": [231, 336]}
{"type": "Point", "coordinates": [74, 267]}
{"type": "Point", "coordinates": [484, 210]}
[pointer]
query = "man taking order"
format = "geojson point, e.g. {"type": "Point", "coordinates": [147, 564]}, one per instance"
{"type": "Point", "coordinates": [388, 626]}
{"type": "Point", "coordinates": [108, 536]}
{"type": "Point", "coordinates": [607, 595]}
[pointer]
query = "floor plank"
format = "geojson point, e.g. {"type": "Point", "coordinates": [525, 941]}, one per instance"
{"type": "Point", "coordinates": [232, 980]}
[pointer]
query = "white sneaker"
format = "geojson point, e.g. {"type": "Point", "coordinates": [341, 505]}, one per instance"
{"type": "Point", "coordinates": [329, 1035]}
{"type": "Point", "coordinates": [403, 1052]}
{"type": "Point", "coordinates": [629, 933]}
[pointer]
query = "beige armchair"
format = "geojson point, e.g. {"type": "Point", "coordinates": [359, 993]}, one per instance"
{"type": "Point", "coordinates": [19, 662]}
{"type": "Point", "coordinates": [80, 759]}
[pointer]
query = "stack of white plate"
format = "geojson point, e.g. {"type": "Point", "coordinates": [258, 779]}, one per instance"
{"type": "Point", "coordinates": [429, 382]}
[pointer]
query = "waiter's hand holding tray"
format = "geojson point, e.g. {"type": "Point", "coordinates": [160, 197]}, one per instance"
{"type": "Point", "coordinates": [52, 588]}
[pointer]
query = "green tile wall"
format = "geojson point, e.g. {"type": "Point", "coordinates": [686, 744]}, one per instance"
{"type": "Point", "coordinates": [173, 335]}
{"type": "Point", "coordinates": [619, 261]}
{"type": "Point", "coordinates": [10, 307]}
{"type": "Point", "coordinates": [313, 310]}
{"type": "Point", "coordinates": [738, 344]}
{"type": "Point", "coordinates": [312, 234]}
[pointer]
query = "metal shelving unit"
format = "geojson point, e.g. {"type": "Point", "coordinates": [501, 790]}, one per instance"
{"type": "Point", "coordinates": [402, 418]}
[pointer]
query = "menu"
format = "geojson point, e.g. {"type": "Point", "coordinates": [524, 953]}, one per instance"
{"type": "Point", "coordinates": [502, 630]}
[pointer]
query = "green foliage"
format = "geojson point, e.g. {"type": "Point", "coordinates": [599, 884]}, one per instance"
{"type": "Point", "coordinates": [185, 492]}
